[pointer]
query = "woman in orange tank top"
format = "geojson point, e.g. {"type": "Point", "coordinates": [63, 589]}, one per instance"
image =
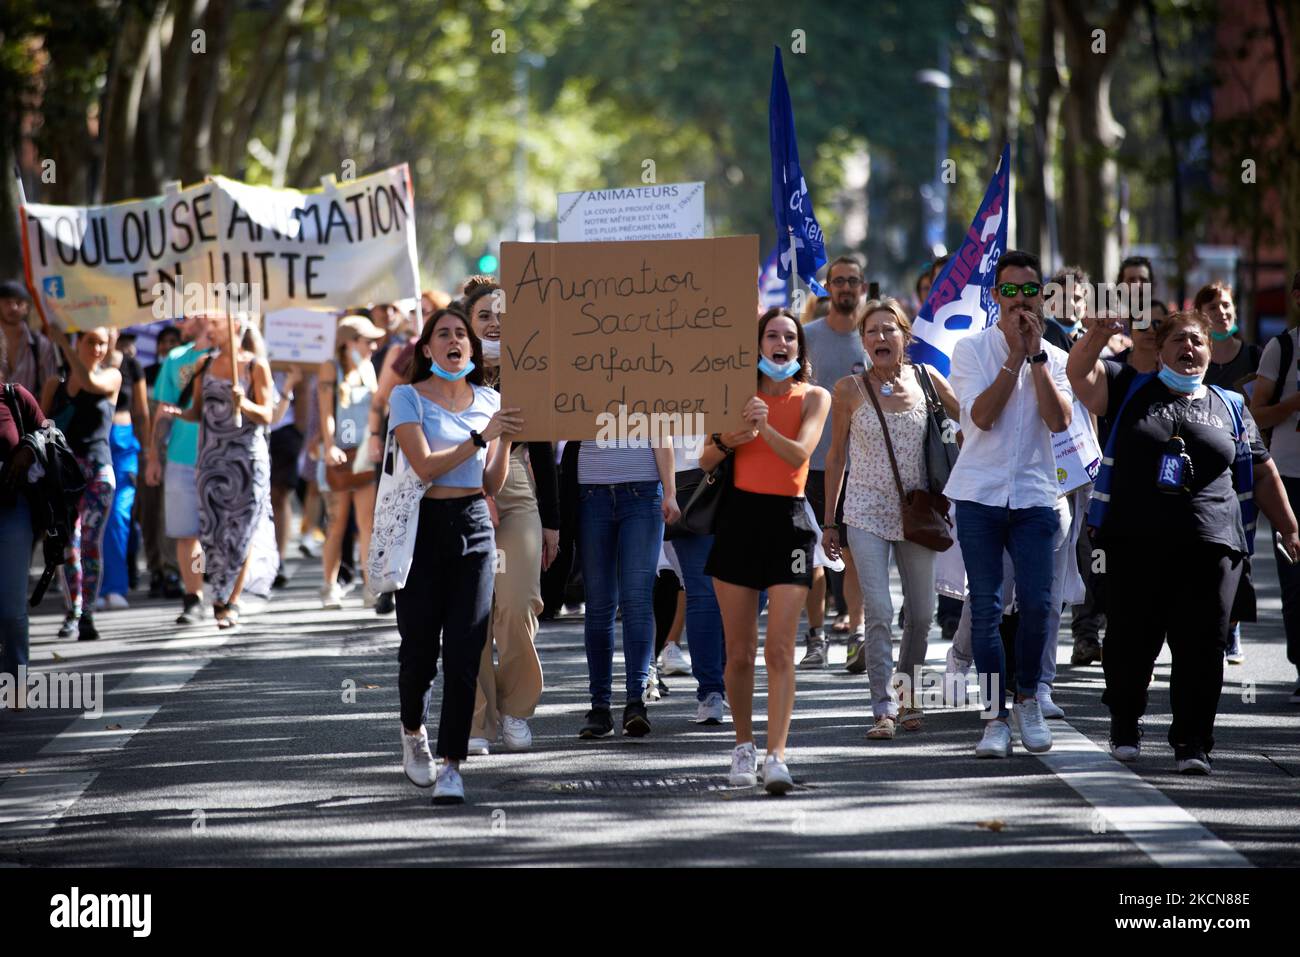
{"type": "Point", "coordinates": [764, 540]}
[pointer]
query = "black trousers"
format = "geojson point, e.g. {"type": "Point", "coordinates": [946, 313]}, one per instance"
{"type": "Point", "coordinates": [1288, 576]}
{"type": "Point", "coordinates": [1183, 592]}
{"type": "Point", "coordinates": [446, 605]}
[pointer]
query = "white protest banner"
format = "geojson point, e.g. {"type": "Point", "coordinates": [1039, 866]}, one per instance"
{"type": "Point", "coordinates": [197, 248]}
{"type": "Point", "coordinates": [301, 336]}
{"type": "Point", "coordinates": [670, 211]}
{"type": "Point", "coordinates": [1078, 457]}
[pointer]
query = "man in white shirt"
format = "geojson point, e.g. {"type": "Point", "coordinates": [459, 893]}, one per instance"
{"type": "Point", "coordinates": [1014, 395]}
{"type": "Point", "coordinates": [1283, 417]}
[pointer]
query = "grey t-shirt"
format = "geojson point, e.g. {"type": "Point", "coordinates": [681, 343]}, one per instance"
{"type": "Point", "coordinates": [833, 355]}
{"type": "Point", "coordinates": [1285, 444]}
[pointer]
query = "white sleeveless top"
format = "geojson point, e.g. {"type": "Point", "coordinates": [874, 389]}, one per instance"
{"type": "Point", "coordinates": [871, 498]}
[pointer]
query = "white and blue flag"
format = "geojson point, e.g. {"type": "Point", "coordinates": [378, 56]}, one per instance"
{"type": "Point", "coordinates": [773, 291]}
{"type": "Point", "coordinates": [961, 300]}
{"type": "Point", "coordinates": [799, 241]}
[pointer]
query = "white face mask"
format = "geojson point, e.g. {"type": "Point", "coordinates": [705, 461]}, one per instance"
{"type": "Point", "coordinates": [491, 349]}
{"type": "Point", "coordinates": [357, 357]}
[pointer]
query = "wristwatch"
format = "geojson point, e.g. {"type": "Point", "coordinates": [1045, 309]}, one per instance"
{"type": "Point", "coordinates": [722, 446]}
{"type": "Point", "coordinates": [1041, 357]}
{"type": "Point", "coordinates": [477, 439]}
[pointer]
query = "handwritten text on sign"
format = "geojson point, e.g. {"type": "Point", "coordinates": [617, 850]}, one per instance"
{"type": "Point", "coordinates": [659, 327]}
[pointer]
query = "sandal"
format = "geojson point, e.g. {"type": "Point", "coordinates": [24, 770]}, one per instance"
{"type": "Point", "coordinates": [227, 615]}
{"type": "Point", "coordinates": [882, 730]}
{"type": "Point", "coordinates": [841, 624]}
{"type": "Point", "coordinates": [910, 718]}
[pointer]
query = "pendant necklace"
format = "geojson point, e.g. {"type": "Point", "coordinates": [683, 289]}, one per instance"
{"type": "Point", "coordinates": [886, 388]}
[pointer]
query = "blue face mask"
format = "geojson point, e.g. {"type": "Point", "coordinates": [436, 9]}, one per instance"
{"type": "Point", "coordinates": [774, 371]}
{"type": "Point", "coordinates": [1178, 382]}
{"type": "Point", "coordinates": [1224, 336]}
{"type": "Point", "coordinates": [442, 373]}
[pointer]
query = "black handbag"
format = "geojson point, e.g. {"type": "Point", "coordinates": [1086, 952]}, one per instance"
{"type": "Point", "coordinates": [701, 504]}
{"type": "Point", "coordinates": [940, 452]}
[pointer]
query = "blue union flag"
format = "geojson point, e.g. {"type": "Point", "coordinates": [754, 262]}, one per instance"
{"type": "Point", "coordinates": [798, 237]}
{"type": "Point", "coordinates": [961, 300]}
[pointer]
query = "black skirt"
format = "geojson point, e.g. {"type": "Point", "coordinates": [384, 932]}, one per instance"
{"type": "Point", "coordinates": [762, 540]}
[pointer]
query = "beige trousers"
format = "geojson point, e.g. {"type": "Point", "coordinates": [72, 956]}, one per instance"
{"type": "Point", "coordinates": [513, 684]}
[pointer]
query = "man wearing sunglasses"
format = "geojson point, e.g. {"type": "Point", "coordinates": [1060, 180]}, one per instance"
{"type": "Point", "coordinates": [1014, 394]}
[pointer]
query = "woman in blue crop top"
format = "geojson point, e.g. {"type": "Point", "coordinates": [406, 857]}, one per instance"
{"type": "Point", "coordinates": [447, 424]}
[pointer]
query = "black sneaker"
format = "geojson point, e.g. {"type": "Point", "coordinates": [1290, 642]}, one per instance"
{"type": "Point", "coordinates": [598, 724]}
{"type": "Point", "coordinates": [172, 587]}
{"type": "Point", "coordinates": [636, 724]}
{"type": "Point", "coordinates": [192, 613]}
{"type": "Point", "coordinates": [86, 628]}
{"type": "Point", "coordinates": [69, 629]}
{"type": "Point", "coordinates": [386, 603]}
{"type": "Point", "coordinates": [280, 581]}
{"type": "Point", "coordinates": [1087, 651]}
{"type": "Point", "coordinates": [1192, 761]}
{"type": "Point", "coordinates": [156, 585]}
{"type": "Point", "coordinates": [1295, 696]}
{"type": "Point", "coordinates": [856, 663]}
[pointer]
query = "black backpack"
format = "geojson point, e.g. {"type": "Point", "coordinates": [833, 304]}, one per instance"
{"type": "Point", "coordinates": [1287, 348]}
{"type": "Point", "coordinates": [53, 499]}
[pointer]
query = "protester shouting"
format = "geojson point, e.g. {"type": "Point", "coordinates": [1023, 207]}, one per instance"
{"type": "Point", "coordinates": [1013, 394]}
{"type": "Point", "coordinates": [765, 540]}
{"type": "Point", "coordinates": [1174, 506]}
{"type": "Point", "coordinates": [448, 425]}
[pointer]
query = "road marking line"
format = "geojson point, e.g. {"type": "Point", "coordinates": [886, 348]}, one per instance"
{"type": "Point", "coordinates": [1161, 829]}
{"type": "Point", "coordinates": [30, 803]}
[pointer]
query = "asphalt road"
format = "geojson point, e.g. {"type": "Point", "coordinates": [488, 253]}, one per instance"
{"type": "Point", "coordinates": [245, 748]}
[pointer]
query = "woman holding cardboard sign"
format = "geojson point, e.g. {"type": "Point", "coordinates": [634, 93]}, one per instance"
{"type": "Point", "coordinates": [764, 539]}
{"type": "Point", "coordinates": [347, 388]}
{"type": "Point", "coordinates": [528, 536]}
{"type": "Point", "coordinates": [447, 424]}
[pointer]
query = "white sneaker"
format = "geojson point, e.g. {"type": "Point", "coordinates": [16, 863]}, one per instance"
{"type": "Point", "coordinates": [710, 709]}
{"type": "Point", "coordinates": [651, 685]}
{"type": "Point", "coordinates": [417, 760]}
{"type": "Point", "coordinates": [331, 597]}
{"type": "Point", "coordinates": [673, 661]}
{"type": "Point", "coordinates": [1050, 708]}
{"type": "Point", "coordinates": [1128, 753]}
{"type": "Point", "coordinates": [744, 765]}
{"type": "Point", "coordinates": [368, 598]}
{"type": "Point", "coordinates": [449, 788]}
{"type": "Point", "coordinates": [115, 602]}
{"type": "Point", "coordinates": [515, 733]}
{"type": "Point", "coordinates": [776, 776]}
{"type": "Point", "coordinates": [996, 742]}
{"type": "Point", "coordinates": [1035, 735]}
{"type": "Point", "coordinates": [101, 603]}
{"type": "Point", "coordinates": [478, 747]}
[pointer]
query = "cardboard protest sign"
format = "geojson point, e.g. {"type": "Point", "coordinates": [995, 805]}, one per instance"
{"type": "Point", "coordinates": [300, 336]}
{"type": "Point", "coordinates": [655, 327]}
{"type": "Point", "coordinates": [668, 211]}
{"type": "Point", "coordinates": [139, 261]}
{"type": "Point", "coordinates": [1078, 457]}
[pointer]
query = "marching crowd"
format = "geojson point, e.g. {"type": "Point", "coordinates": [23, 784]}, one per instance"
{"type": "Point", "coordinates": [849, 456]}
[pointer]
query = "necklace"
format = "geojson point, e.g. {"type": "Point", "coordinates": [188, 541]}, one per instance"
{"type": "Point", "coordinates": [886, 387]}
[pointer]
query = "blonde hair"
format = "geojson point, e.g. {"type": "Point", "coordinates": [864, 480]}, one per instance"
{"type": "Point", "coordinates": [893, 306]}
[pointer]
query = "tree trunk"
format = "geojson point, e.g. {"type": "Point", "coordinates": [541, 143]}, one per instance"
{"type": "Point", "coordinates": [1004, 109]}
{"type": "Point", "coordinates": [175, 76]}
{"type": "Point", "coordinates": [118, 123]}
{"type": "Point", "coordinates": [1089, 227]}
{"type": "Point", "coordinates": [1290, 217]}
{"type": "Point", "coordinates": [289, 94]}
{"type": "Point", "coordinates": [149, 159]}
{"type": "Point", "coordinates": [202, 91]}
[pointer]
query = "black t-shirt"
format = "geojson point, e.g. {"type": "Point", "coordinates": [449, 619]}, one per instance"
{"type": "Point", "coordinates": [85, 420]}
{"type": "Point", "coordinates": [1230, 373]}
{"type": "Point", "coordinates": [132, 372]}
{"type": "Point", "coordinates": [1138, 509]}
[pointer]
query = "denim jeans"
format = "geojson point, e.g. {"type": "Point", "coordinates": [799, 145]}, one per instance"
{"type": "Point", "coordinates": [620, 527]}
{"type": "Point", "coordinates": [1028, 535]}
{"type": "Point", "coordinates": [1062, 544]}
{"type": "Point", "coordinates": [16, 549]}
{"type": "Point", "coordinates": [916, 569]}
{"type": "Point", "coordinates": [703, 619]}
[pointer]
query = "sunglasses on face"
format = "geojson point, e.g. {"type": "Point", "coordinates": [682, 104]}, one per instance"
{"type": "Point", "coordinates": [1009, 289]}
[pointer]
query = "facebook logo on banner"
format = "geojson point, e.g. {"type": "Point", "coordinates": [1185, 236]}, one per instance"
{"type": "Point", "coordinates": [53, 286]}
{"type": "Point", "coordinates": [961, 300]}
{"type": "Point", "coordinates": [799, 241]}
{"type": "Point", "coordinates": [771, 287]}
